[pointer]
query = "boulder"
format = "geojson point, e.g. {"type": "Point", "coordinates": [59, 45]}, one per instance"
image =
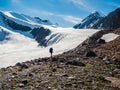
{"type": "Point", "coordinates": [22, 65]}
{"type": "Point", "coordinates": [90, 54]}
{"type": "Point", "coordinates": [116, 61]}
{"type": "Point", "coordinates": [101, 41]}
{"type": "Point", "coordinates": [74, 62]}
{"type": "Point", "coordinates": [25, 82]}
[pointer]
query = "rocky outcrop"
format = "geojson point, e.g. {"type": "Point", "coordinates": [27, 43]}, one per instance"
{"type": "Point", "coordinates": [40, 34]}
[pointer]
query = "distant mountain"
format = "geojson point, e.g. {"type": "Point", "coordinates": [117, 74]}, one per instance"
{"type": "Point", "coordinates": [90, 20]}
{"type": "Point", "coordinates": [32, 27]}
{"type": "Point", "coordinates": [96, 21]}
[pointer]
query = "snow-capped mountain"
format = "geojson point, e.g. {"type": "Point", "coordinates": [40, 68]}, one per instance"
{"type": "Point", "coordinates": [96, 21]}
{"type": "Point", "coordinates": [31, 27]}
{"type": "Point", "coordinates": [90, 20]}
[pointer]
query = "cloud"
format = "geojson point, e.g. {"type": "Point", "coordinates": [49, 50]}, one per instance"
{"type": "Point", "coordinates": [46, 13]}
{"type": "Point", "coordinates": [39, 12]}
{"type": "Point", "coordinates": [72, 19]}
{"type": "Point", "coordinates": [16, 1]}
{"type": "Point", "coordinates": [22, 7]}
{"type": "Point", "coordinates": [82, 4]}
{"type": "Point", "coordinates": [69, 18]}
{"type": "Point", "coordinates": [114, 4]}
{"type": "Point", "coordinates": [78, 2]}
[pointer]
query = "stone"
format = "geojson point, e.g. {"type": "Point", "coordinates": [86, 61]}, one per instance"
{"type": "Point", "coordinates": [68, 85]}
{"type": "Point", "coordinates": [25, 82]}
{"type": "Point", "coordinates": [90, 54]}
{"type": "Point", "coordinates": [54, 70]}
{"type": "Point", "coordinates": [13, 82]}
{"type": "Point", "coordinates": [116, 61]}
{"type": "Point", "coordinates": [22, 65]}
{"type": "Point", "coordinates": [105, 58]}
{"type": "Point", "coordinates": [21, 85]}
{"type": "Point", "coordinates": [30, 74]}
{"type": "Point", "coordinates": [115, 81]}
{"type": "Point", "coordinates": [74, 62]}
{"type": "Point", "coordinates": [65, 75]}
{"type": "Point", "coordinates": [101, 41]}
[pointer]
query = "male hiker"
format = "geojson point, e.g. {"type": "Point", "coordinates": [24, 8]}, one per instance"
{"type": "Point", "coordinates": [51, 51]}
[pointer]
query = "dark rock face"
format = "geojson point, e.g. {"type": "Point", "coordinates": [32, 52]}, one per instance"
{"type": "Point", "coordinates": [111, 21]}
{"type": "Point", "coordinates": [40, 34]}
{"type": "Point", "coordinates": [16, 26]}
{"type": "Point", "coordinates": [3, 35]}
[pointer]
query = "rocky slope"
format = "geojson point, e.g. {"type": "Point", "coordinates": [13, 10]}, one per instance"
{"type": "Point", "coordinates": [90, 66]}
{"type": "Point", "coordinates": [111, 21]}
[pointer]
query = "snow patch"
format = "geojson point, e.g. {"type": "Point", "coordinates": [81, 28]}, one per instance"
{"type": "Point", "coordinates": [9, 14]}
{"type": "Point", "coordinates": [109, 37]}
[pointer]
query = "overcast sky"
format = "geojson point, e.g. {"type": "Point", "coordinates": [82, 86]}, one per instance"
{"type": "Point", "coordinates": [66, 13]}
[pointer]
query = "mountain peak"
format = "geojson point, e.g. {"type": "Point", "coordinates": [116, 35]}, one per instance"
{"type": "Point", "coordinates": [98, 13]}
{"type": "Point", "coordinates": [90, 20]}
{"type": "Point", "coordinates": [94, 12]}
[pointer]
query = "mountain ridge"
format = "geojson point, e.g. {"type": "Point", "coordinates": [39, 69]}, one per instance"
{"type": "Point", "coordinates": [26, 25]}
{"type": "Point", "coordinates": [90, 20]}
{"type": "Point", "coordinates": [111, 21]}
